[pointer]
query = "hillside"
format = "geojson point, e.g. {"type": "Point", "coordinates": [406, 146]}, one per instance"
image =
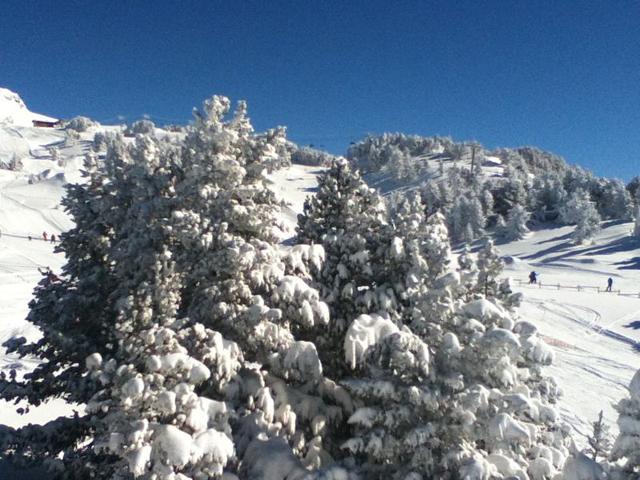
{"type": "Point", "coordinates": [595, 335]}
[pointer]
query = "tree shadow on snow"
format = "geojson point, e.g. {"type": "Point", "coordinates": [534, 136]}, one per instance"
{"type": "Point", "coordinates": [623, 244]}
{"type": "Point", "coordinates": [566, 236]}
{"type": "Point", "coordinates": [568, 249]}
{"type": "Point", "coordinates": [631, 264]}
{"type": "Point", "coordinates": [564, 246]}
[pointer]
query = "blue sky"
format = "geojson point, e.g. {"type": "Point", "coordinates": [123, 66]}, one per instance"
{"type": "Point", "coordinates": [561, 75]}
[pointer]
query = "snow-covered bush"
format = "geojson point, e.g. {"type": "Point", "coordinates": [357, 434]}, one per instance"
{"type": "Point", "coordinates": [79, 124]}
{"type": "Point", "coordinates": [58, 159]}
{"type": "Point", "coordinates": [144, 127]}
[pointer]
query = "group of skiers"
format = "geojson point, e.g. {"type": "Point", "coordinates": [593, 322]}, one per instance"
{"type": "Point", "coordinates": [533, 279]}
{"type": "Point", "coordinates": [46, 238]}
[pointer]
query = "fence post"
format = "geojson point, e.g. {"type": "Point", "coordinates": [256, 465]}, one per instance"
{"type": "Point", "coordinates": [578, 287]}
{"type": "Point", "coordinates": [558, 286]}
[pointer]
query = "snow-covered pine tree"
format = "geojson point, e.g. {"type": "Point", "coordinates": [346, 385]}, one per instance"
{"type": "Point", "coordinates": [626, 447]}
{"type": "Point", "coordinates": [467, 269]}
{"type": "Point", "coordinates": [580, 210]}
{"type": "Point", "coordinates": [516, 225]}
{"type": "Point", "coordinates": [489, 269]}
{"type": "Point", "coordinates": [487, 200]}
{"type": "Point", "coordinates": [467, 220]}
{"type": "Point", "coordinates": [343, 199]}
{"type": "Point", "coordinates": [236, 282]}
{"type": "Point", "coordinates": [172, 246]}
{"type": "Point", "coordinates": [512, 190]}
{"type": "Point", "coordinates": [414, 259]}
{"type": "Point", "coordinates": [467, 400]}
{"type": "Point", "coordinates": [500, 229]}
{"type": "Point", "coordinates": [547, 196]}
{"type": "Point", "coordinates": [74, 314]}
{"type": "Point", "coordinates": [348, 219]}
{"type": "Point", "coordinates": [147, 413]}
{"type": "Point", "coordinates": [599, 440]}
{"type": "Point", "coordinates": [616, 201]}
{"type": "Point", "coordinates": [436, 196]}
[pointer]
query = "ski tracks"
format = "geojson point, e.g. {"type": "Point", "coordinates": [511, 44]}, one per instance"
{"type": "Point", "coordinates": [571, 311]}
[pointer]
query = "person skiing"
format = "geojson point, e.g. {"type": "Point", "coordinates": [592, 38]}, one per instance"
{"type": "Point", "coordinates": [44, 236]}
{"type": "Point", "coordinates": [53, 238]}
{"type": "Point", "coordinates": [533, 277]}
{"type": "Point", "coordinates": [609, 284]}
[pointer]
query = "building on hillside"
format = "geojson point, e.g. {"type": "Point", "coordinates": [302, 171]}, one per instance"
{"type": "Point", "coordinates": [39, 120]}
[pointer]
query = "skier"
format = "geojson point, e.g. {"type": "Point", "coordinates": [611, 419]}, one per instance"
{"type": "Point", "coordinates": [29, 237]}
{"type": "Point", "coordinates": [609, 284]}
{"type": "Point", "coordinates": [44, 236]}
{"type": "Point", "coordinates": [51, 277]}
{"type": "Point", "coordinates": [53, 238]}
{"type": "Point", "coordinates": [533, 277]}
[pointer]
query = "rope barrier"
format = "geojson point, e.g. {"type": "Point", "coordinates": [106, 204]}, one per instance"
{"type": "Point", "coordinates": [26, 237]}
{"type": "Point", "coordinates": [579, 288]}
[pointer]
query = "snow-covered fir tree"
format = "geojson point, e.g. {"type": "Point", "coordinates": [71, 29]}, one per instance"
{"type": "Point", "coordinates": [615, 201]}
{"type": "Point", "coordinates": [467, 218]}
{"type": "Point", "coordinates": [342, 200]}
{"type": "Point", "coordinates": [75, 315]}
{"type": "Point", "coordinates": [516, 224]}
{"type": "Point", "coordinates": [173, 320]}
{"type": "Point", "coordinates": [489, 269]}
{"type": "Point", "coordinates": [547, 196]}
{"type": "Point", "coordinates": [348, 219]}
{"type": "Point", "coordinates": [580, 210]}
{"type": "Point", "coordinates": [464, 399]}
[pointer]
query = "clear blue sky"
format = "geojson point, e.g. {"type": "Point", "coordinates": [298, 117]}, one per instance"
{"type": "Point", "coordinates": [561, 75]}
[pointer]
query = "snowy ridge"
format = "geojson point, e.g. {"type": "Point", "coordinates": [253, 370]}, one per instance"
{"type": "Point", "coordinates": [13, 111]}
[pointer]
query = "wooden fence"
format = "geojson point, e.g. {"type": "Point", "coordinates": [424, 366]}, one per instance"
{"type": "Point", "coordinates": [578, 288]}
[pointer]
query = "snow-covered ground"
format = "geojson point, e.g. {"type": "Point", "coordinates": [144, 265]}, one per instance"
{"type": "Point", "coordinates": [596, 334]}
